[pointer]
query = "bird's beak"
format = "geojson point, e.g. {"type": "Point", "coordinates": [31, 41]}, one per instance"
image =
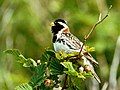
{"type": "Point", "coordinates": [52, 24]}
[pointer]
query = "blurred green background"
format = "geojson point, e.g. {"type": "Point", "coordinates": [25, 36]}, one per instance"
{"type": "Point", "coordinates": [25, 25]}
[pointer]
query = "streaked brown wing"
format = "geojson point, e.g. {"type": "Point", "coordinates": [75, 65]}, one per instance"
{"type": "Point", "coordinates": [90, 58]}
{"type": "Point", "coordinates": [77, 44]}
{"type": "Point", "coordinates": [74, 41]}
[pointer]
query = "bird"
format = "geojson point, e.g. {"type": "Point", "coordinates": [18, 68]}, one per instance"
{"type": "Point", "coordinates": [63, 39]}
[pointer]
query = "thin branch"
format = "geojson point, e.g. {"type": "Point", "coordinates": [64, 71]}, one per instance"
{"type": "Point", "coordinates": [65, 82]}
{"type": "Point", "coordinates": [94, 26]}
{"type": "Point", "coordinates": [98, 22]}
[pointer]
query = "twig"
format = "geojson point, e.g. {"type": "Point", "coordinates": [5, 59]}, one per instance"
{"type": "Point", "coordinates": [65, 82]}
{"type": "Point", "coordinates": [98, 22]}
{"type": "Point", "coordinates": [94, 26]}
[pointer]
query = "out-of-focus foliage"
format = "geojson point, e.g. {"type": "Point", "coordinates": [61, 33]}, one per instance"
{"type": "Point", "coordinates": [24, 25]}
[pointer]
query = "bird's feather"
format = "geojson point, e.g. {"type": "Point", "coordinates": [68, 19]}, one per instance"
{"type": "Point", "coordinates": [75, 44]}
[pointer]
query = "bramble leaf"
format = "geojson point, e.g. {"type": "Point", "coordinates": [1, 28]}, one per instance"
{"type": "Point", "coordinates": [61, 55]}
{"type": "Point", "coordinates": [14, 52]}
{"type": "Point", "coordinates": [68, 65]}
{"type": "Point", "coordinates": [71, 71]}
{"type": "Point", "coordinates": [78, 83]}
{"type": "Point", "coordinates": [39, 75]}
{"type": "Point", "coordinates": [55, 67]}
{"type": "Point", "coordinates": [29, 63]}
{"type": "Point", "coordinates": [24, 86]}
{"type": "Point", "coordinates": [90, 49]}
{"type": "Point", "coordinates": [20, 58]}
{"type": "Point", "coordinates": [45, 57]}
{"type": "Point", "coordinates": [50, 52]}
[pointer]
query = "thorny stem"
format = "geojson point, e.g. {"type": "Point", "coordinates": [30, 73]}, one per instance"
{"type": "Point", "coordinates": [93, 28]}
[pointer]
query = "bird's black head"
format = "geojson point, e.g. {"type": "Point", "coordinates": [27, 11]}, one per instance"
{"type": "Point", "coordinates": [58, 25]}
{"type": "Point", "coordinates": [60, 20]}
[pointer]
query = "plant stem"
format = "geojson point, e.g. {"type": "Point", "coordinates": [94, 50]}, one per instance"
{"type": "Point", "coordinates": [93, 28]}
{"type": "Point", "coordinates": [65, 82]}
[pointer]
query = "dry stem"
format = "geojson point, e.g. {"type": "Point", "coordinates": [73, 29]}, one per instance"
{"type": "Point", "coordinates": [94, 26]}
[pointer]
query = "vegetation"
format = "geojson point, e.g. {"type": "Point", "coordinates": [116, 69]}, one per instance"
{"type": "Point", "coordinates": [47, 71]}
{"type": "Point", "coordinates": [24, 25]}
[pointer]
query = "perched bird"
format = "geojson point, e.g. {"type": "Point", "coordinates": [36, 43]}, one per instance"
{"type": "Point", "coordinates": [64, 40]}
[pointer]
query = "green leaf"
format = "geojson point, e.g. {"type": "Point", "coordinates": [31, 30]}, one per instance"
{"type": "Point", "coordinates": [21, 59]}
{"type": "Point", "coordinates": [39, 75]}
{"type": "Point", "coordinates": [78, 83]}
{"type": "Point", "coordinates": [73, 54]}
{"type": "Point", "coordinates": [61, 55]}
{"type": "Point", "coordinates": [40, 69]}
{"type": "Point", "coordinates": [50, 53]}
{"type": "Point", "coordinates": [14, 52]}
{"type": "Point", "coordinates": [24, 86]}
{"type": "Point", "coordinates": [55, 67]}
{"type": "Point", "coordinates": [68, 65]}
{"type": "Point", "coordinates": [45, 57]}
{"type": "Point", "coordinates": [71, 71]}
{"type": "Point", "coordinates": [29, 63]}
{"type": "Point", "coordinates": [90, 49]}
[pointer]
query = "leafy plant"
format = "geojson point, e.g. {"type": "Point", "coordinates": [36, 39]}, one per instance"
{"type": "Point", "coordinates": [51, 70]}
{"type": "Point", "coordinates": [24, 86]}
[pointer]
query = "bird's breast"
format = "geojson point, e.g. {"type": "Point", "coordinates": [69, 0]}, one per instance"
{"type": "Point", "coordinates": [62, 45]}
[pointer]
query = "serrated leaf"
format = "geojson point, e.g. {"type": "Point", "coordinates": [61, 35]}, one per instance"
{"type": "Point", "coordinates": [90, 49]}
{"type": "Point", "coordinates": [21, 59]}
{"type": "Point", "coordinates": [29, 63]}
{"type": "Point", "coordinates": [39, 76]}
{"type": "Point", "coordinates": [45, 57]}
{"type": "Point", "coordinates": [68, 65]}
{"type": "Point", "coordinates": [78, 83]}
{"type": "Point", "coordinates": [37, 80]}
{"type": "Point", "coordinates": [51, 53]}
{"type": "Point", "coordinates": [61, 55]}
{"type": "Point", "coordinates": [40, 69]}
{"type": "Point", "coordinates": [55, 67]}
{"type": "Point", "coordinates": [24, 86]}
{"type": "Point", "coordinates": [14, 52]}
{"type": "Point", "coordinates": [71, 71]}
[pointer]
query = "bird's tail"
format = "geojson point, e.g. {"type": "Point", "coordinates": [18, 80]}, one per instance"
{"type": "Point", "coordinates": [96, 76]}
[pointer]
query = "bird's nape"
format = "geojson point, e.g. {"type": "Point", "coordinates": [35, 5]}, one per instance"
{"type": "Point", "coordinates": [60, 20]}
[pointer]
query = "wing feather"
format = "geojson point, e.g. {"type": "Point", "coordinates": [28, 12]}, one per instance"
{"type": "Point", "coordinates": [76, 44]}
